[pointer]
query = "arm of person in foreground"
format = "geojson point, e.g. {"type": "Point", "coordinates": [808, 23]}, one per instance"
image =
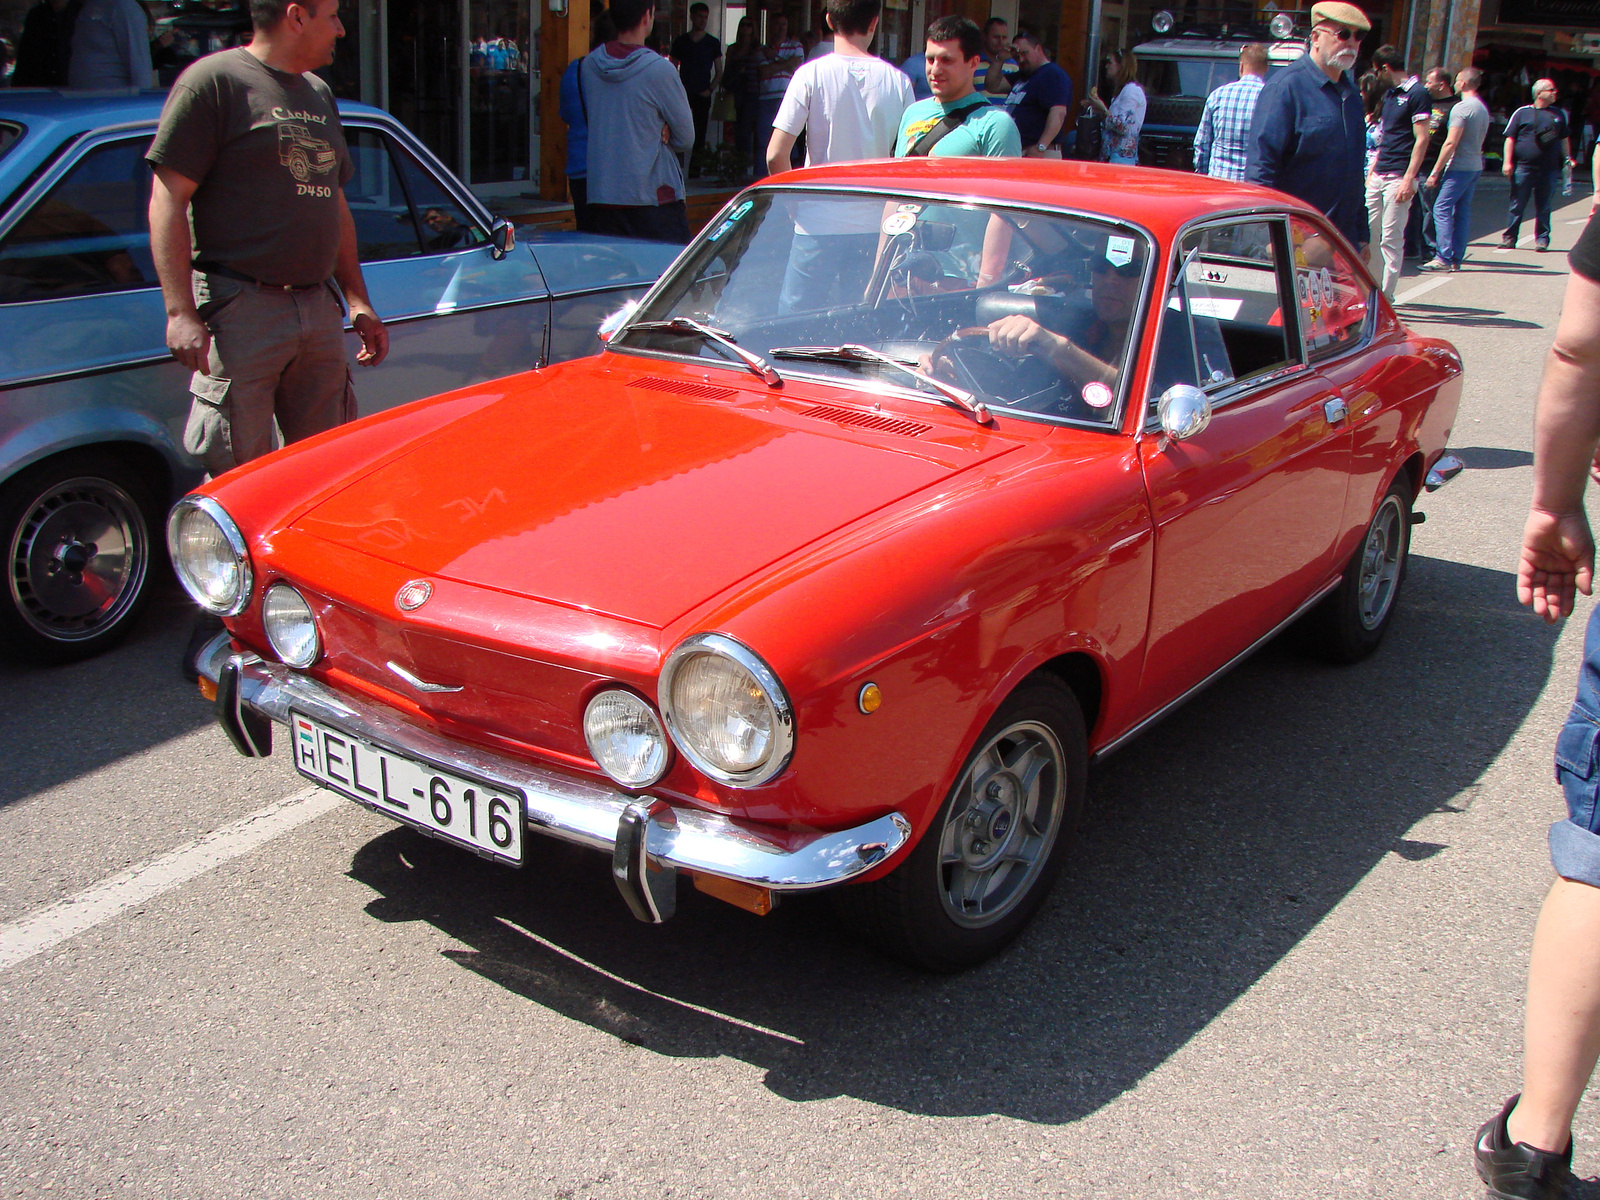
{"type": "Point", "coordinates": [778, 149]}
{"type": "Point", "coordinates": [1202, 138]}
{"type": "Point", "coordinates": [347, 274]}
{"type": "Point", "coordinates": [1508, 161]}
{"type": "Point", "coordinates": [1557, 546]}
{"type": "Point", "coordinates": [187, 336]}
{"type": "Point", "coordinates": [1419, 151]}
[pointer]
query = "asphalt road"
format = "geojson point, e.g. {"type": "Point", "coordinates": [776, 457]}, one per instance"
{"type": "Point", "coordinates": [1288, 960]}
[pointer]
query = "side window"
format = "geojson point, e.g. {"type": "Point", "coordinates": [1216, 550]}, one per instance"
{"type": "Point", "coordinates": [1236, 303]}
{"type": "Point", "coordinates": [90, 233]}
{"type": "Point", "coordinates": [1334, 300]}
{"type": "Point", "coordinates": [385, 226]}
{"type": "Point", "coordinates": [446, 225]}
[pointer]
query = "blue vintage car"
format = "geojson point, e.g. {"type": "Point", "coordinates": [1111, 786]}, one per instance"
{"type": "Point", "coordinates": [92, 407]}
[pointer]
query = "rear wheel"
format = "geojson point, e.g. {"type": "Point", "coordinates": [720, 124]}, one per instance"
{"type": "Point", "coordinates": [1351, 622]}
{"type": "Point", "coordinates": [78, 535]}
{"type": "Point", "coordinates": [997, 844]}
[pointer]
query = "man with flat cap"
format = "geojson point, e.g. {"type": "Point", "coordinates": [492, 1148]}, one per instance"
{"type": "Point", "coordinates": [1309, 133]}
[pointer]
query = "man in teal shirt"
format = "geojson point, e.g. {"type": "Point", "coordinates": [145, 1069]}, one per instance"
{"type": "Point", "coordinates": [957, 120]}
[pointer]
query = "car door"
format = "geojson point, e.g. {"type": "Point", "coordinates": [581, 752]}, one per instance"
{"type": "Point", "coordinates": [1246, 511]}
{"type": "Point", "coordinates": [457, 312]}
{"type": "Point", "coordinates": [83, 358]}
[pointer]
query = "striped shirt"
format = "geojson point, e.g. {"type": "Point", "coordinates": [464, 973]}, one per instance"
{"type": "Point", "coordinates": [1220, 148]}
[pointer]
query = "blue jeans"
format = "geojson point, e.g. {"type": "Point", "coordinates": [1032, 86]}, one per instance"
{"type": "Point", "coordinates": [827, 270]}
{"type": "Point", "coordinates": [1575, 842]}
{"type": "Point", "coordinates": [1452, 214]}
{"type": "Point", "coordinates": [1530, 181]}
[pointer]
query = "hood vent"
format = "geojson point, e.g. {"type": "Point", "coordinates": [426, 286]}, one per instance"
{"type": "Point", "coordinates": [872, 421]}
{"type": "Point", "coordinates": [682, 387]}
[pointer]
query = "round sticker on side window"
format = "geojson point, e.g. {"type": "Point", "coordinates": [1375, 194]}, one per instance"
{"type": "Point", "coordinates": [897, 223]}
{"type": "Point", "coordinates": [1097, 395]}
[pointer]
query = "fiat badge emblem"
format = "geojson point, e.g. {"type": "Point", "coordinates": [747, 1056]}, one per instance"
{"type": "Point", "coordinates": [413, 595]}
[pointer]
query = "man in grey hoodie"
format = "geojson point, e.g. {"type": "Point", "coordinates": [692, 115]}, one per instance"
{"type": "Point", "coordinates": [639, 122]}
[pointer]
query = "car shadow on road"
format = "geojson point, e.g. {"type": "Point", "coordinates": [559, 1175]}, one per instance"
{"type": "Point", "coordinates": [58, 723]}
{"type": "Point", "coordinates": [1492, 458]}
{"type": "Point", "coordinates": [1213, 845]}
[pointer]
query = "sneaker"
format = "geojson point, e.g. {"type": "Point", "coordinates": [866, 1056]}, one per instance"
{"type": "Point", "coordinates": [1435, 264]}
{"type": "Point", "coordinates": [1516, 1171]}
{"type": "Point", "coordinates": [1507, 242]}
{"type": "Point", "coordinates": [1542, 245]}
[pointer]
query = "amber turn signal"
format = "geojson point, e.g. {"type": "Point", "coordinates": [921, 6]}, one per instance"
{"type": "Point", "coordinates": [870, 699]}
{"type": "Point", "coordinates": [747, 896]}
{"type": "Point", "coordinates": [208, 689]}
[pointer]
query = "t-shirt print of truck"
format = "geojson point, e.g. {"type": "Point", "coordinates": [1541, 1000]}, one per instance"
{"type": "Point", "coordinates": [302, 153]}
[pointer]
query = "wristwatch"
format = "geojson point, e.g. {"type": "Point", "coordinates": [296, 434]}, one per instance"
{"type": "Point", "coordinates": [1041, 147]}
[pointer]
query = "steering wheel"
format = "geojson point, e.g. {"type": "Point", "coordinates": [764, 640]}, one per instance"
{"type": "Point", "coordinates": [952, 360]}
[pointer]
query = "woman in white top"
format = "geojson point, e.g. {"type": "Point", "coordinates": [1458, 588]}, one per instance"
{"type": "Point", "coordinates": [1119, 137]}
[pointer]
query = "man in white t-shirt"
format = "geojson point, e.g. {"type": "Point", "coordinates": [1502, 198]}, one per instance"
{"type": "Point", "coordinates": [848, 104]}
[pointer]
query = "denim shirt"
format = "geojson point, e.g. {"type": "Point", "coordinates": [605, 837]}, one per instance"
{"type": "Point", "coordinates": [1308, 138]}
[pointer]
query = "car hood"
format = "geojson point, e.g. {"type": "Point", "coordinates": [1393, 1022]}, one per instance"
{"type": "Point", "coordinates": [638, 494]}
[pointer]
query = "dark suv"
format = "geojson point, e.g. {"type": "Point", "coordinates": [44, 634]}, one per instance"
{"type": "Point", "coordinates": [1179, 69]}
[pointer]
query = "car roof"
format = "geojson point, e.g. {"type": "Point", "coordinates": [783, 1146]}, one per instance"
{"type": "Point", "coordinates": [1161, 201]}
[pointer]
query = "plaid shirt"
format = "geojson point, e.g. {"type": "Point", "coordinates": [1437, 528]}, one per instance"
{"type": "Point", "coordinates": [1220, 146]}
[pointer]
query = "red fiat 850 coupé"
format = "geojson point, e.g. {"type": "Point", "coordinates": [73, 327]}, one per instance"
{"type": "Point", "coordinates": [909, 490]}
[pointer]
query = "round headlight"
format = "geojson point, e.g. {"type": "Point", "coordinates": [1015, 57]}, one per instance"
{"type": "Point", "coordinates": [726, 710]}
{"type": "Point", "coordinates": [1161, 21]}
{"type": "Point", "coordinates": [625, 738]}
{"type": "Point", "coordinates": [1281, 25]}
{"type": "Point", "coordinates": [209, 555]}
{"type": "Point", "coordinates": [291, 628]}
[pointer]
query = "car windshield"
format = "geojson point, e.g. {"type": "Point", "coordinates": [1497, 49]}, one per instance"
{"type": "Point", "coordinates": [1021, 311]}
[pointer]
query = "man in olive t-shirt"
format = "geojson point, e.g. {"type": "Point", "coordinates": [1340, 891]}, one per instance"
{"type": "Point", "coordinates": [250, 156]}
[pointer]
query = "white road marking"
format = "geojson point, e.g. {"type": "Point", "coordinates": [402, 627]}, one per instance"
{"type": "Point", "coordinates": [1411, 293]}
{"type": "Point", "coordinates": [628, 983]}
{"type": "Point", "coordinates": [46, 927]}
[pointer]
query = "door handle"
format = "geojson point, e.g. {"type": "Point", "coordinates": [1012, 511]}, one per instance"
{"type": "Point", "coordinates": [1335, 410]}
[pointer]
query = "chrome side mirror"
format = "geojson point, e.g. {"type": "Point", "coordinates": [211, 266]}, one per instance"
{"type": "Point", "coordinates": [1184, 410]}
{"type": "Point", "coordinates": [502, 237]}
{"type": "Point", "coordinates": [608, 327]}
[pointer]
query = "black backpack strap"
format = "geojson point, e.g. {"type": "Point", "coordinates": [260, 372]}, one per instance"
{"type": "Point", "coordinates": [583, 104]}
{"type": "Point", "coordinates": [947, 124]}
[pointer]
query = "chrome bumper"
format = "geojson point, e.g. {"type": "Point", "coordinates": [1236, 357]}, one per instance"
{"type": "Point", "coordinates": [648, 838]}
{"type": "Point", "coordinates": [1443, 471]}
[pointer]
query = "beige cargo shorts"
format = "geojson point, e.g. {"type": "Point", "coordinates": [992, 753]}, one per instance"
{"type": "Point", "coordinates": [277, 365]}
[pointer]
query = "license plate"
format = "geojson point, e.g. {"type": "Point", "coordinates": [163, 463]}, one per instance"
{"type": "Point", "coordinates": [476, 813]}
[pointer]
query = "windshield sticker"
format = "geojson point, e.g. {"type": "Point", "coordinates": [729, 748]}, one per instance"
{"type": "Point", "coordinates": [1119, 251]}
{"type": "Point", "coordinates": [1097, 395]}
{"type": "Point", "coordinates": [728, 221]}
{"type": "Point", "coordinates": [899, 222]}
{"type": "Point", "coordinates": [910, 208]}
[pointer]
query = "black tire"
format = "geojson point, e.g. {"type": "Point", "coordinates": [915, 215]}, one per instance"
{"type": "Point", "coordinates": [78, 532]}
{"type": "Point", "coordinates": [1351, 622]}
{"type": "Point", "coordinates": [911, 913]}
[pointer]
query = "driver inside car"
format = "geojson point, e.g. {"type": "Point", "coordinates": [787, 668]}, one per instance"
{"type": "Point", "coordinates": [1088, 355]}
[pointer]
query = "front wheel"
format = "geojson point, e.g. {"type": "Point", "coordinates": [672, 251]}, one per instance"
{"type": "Point", "coordinates": [78, 536]}
{"type": "Point", "coordinates": [997, 844]}
{"type": "Point", "coordinates": [1349, 624]}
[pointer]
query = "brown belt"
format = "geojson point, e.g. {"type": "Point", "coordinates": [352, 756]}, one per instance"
{"type": "Point", "coordinates": [209, 268]}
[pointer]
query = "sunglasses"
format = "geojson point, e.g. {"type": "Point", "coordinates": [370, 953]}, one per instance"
{"type": "Point", "coordinates": [1343, 33]}
{"type": "Point", "coordinates": [1128, 270]}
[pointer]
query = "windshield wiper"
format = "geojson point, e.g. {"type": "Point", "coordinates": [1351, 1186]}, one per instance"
{"type": "Point", "coordinates": [758, 365]}
{"type": "Point", "coordinates": [855, 353]}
